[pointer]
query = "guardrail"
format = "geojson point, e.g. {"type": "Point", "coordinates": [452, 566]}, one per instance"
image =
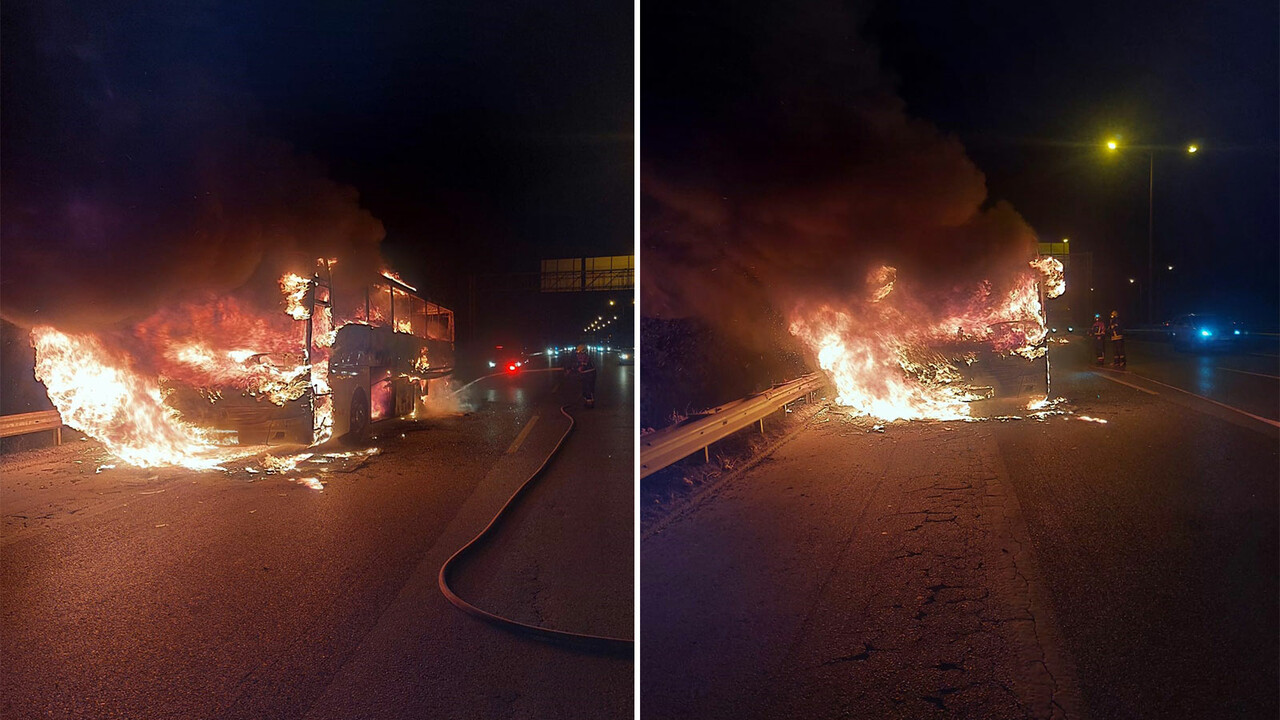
{"type": "Point", "coordinates": [32, 422]}
{"type": "Point", "coordinates": [666, 446]}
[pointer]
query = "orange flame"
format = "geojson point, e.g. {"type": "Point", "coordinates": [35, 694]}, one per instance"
{"type": "Point", "coordinates": [132, 388]}
{"type": "Point", "coordinates": [894, 358]}
{"type": "Point", "coordinates": [295, 289]}
{"type": "Point", "coordinates": [101, 396]}
{"type": "Point", "coordinates": [391, 275]}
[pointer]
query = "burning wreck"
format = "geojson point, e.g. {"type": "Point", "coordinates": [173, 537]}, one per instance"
{"type": "Point", "coordinates": [334, 355]}
{"type": "Point", "coordinates": [892, 356]}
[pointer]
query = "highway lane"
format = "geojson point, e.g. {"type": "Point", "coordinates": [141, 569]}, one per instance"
{"type": "Point", "coordinates": [1114, 561]}
{"type": "Point", "coordinates": [561, 559]}
{"type": "Point", "coordinates": [133, 593]}
{"type": "Point", "coordinates": [1159, 537]}
{"type": "Point", "coordinates": [1245, 376]}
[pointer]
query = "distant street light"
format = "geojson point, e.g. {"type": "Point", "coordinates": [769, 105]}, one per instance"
{"type": "Point", "coordinates": [1132, 281]}
{"type": "Point", "coordinates": [1114, 145]}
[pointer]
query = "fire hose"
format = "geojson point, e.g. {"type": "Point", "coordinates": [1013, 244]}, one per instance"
{"type": "Point", "coordinates": [582, 641]}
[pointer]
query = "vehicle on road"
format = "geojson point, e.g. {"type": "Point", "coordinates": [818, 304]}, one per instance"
{"type": "Point", "coordinates": [507, 359]}
{"type": "Point", "coordinates": [626, 356]}
{"type": "Point", "coordinates": [1195, 331]}
{"type": "Point", "coordinates": [358, 355]}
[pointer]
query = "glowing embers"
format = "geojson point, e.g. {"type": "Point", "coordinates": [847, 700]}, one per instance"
{"type": "Point", "coordinates": [892, 356]}
{"type": "Point", "coordinates": [309, 469]}
{"type": "Point", "coordinates": [99, 394]}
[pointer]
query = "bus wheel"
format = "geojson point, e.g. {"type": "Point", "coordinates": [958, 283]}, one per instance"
{"type": "Point", "coordinates": [358, 427]}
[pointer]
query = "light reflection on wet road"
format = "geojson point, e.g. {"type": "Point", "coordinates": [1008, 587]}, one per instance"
{"type": "Point", "coordinates": [1246, 378]}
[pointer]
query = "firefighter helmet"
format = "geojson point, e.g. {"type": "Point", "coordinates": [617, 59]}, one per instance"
{"type": "Point", "coordinates": [582, 348]}
{"type": "Point", "coordinates": [1115, 313]}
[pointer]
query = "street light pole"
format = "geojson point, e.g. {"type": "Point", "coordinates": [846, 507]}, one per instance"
{"type": "Point", "coordinates": [1113, 145]}
{"type": "Point", "coordinates": [1151, 242]}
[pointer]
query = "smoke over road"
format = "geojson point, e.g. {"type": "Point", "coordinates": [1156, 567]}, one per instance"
{"type": "Point", "coordinates": [132, 177]}
{"type": "Point", "coordinates": [780, 170]}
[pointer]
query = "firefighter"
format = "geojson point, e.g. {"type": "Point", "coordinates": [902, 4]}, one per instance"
{"type": "Point", "coordinates": [1116, 333]}
{"type": "Point", "coordinates": [582, 366]}
{"type": "Point", "coordinates": [1099, 334]}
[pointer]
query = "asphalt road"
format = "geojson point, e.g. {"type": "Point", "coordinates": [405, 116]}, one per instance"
{"type": "Point", "coordinates": [1054, 567]}
{"type": "Point", "coordinates": [169, 594]}
{"type": "Point", "coordinates": [1244, 374]}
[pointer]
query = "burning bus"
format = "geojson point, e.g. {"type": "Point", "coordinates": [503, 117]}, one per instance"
{"type": "Point", "coordinates": [894, 356]}
{"type": "Point", "coordinates": [327, 357]}
{"type": "Point", "coordinates": [366, 353]}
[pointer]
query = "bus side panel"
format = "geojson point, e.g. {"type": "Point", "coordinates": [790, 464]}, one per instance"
{"type": "Point", "coordinates": [346, 383]}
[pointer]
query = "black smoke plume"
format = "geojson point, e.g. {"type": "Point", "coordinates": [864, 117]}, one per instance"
{"type": "Point", "coordinates": [779, 168]}
{"type": "Point", "coordinates": [133, 178]}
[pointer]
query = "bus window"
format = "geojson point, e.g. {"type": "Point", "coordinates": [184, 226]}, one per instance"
{"type": "Point", "coordinates": [439, 323]}
{"type": "Point", "coordinates": [401, 311]}
{"type": "Point", "coordinates": [352, 307]}
{"type": "Point", "coordinates": [418, 319]}
{"type": "Point", "coordinates": [379, 305]}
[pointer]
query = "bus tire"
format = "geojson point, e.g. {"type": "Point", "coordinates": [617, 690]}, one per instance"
{"type": "Point", "coordinates": [358, 427]}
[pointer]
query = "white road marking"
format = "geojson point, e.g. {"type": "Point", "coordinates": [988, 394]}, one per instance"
{"type": "Point", "coordinates": [1268, 421]}
{"type": "Point", "coordinates": [515, 445]}
{"type": "Point", "coordinates": [1246, 372]}
{"type": "Point", "coordinates": [1135, 387]}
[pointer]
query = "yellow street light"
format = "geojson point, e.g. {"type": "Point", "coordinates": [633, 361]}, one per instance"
{"type": "Point", "coordinates": [1150, 151]}
{"type": "Point", "coordinates": [1132, 281]}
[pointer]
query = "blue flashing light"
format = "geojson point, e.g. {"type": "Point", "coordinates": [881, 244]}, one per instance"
{"type": "Point", "coordinates": [1206, 333]}
{"type": "Point", "coordinates": [1237, 332]}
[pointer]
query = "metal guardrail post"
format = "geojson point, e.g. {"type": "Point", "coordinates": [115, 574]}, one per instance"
{"type": "Point", "coordinates": [670, 444]}
{"type": "Point", "coordinates": [32, 422]}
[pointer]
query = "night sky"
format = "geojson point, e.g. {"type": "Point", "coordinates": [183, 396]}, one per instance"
{"type": "Point", "coordinates": [784, 144]}
{"type": "Point", "coordinates": [1033, 89]}
{"type": "Point", "coordinates": [152, 148]}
